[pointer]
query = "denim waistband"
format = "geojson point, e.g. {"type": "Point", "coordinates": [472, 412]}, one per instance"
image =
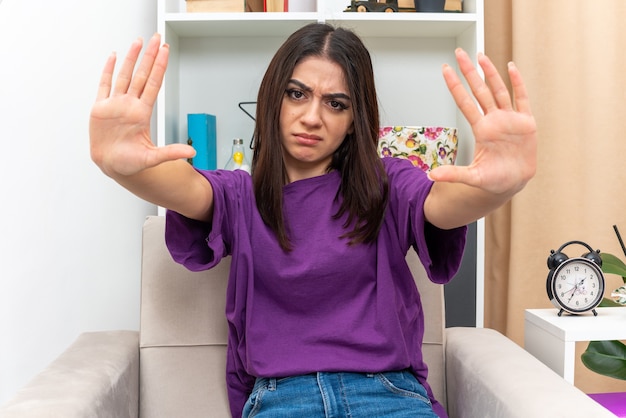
{"type": "Point", "coordinates": [340, 395]}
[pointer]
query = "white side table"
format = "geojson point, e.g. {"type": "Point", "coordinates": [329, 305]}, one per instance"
{"type": "Point", "coordinates": [552, 338]}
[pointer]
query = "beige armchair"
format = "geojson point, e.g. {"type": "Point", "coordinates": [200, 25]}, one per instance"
{"type": "Point", "coordinates": [174, 367]}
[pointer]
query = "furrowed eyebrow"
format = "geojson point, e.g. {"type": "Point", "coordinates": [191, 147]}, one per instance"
{"type": "Point", "coordinates": [330, 96]}
{"type": "Point", "coordinates": [300, 85]}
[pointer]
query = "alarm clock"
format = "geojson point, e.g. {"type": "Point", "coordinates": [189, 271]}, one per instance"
{"type": "Point", "coordinates": [575, 285]}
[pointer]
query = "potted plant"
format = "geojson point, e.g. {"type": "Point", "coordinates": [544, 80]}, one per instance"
{"type": "Point", "coordinates": [608, 358]}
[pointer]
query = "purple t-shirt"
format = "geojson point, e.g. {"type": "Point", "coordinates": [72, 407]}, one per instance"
{"type": "Point", "coordinates": [326, 305]}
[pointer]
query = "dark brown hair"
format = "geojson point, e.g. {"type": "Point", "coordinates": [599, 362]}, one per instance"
{"type": "Point", "coordinates": [364, 185]}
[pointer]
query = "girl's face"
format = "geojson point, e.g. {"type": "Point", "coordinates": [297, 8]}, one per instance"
{"type": "Point", "coordinates": [315, 117]}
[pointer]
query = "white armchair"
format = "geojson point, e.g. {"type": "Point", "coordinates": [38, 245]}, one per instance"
{"type": "Point", "coordinates": [175, 366]}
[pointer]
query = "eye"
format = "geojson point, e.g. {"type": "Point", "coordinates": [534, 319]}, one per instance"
{"type": "Point", "coordinates": [295, 94]}
{"type": "Point", "coordinates": [336, 105]}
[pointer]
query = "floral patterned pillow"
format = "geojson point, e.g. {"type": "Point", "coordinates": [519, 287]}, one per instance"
{"type": "Point", "coordinates": [427, 147]}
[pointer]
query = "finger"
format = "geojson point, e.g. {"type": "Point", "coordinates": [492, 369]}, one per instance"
{"type": "Point", "coordinates": [453, 174]}
{"type": "Point", "coordinates": [495, 83]}
{"type": "Point", "coordinates": [126, 72]}
{"type": "Point", "coordinates": [522, 101]}
{"type": "Point", "coordinates": [104, 88]}
{"type": "Point", "coordinates": [461, 97]}
{"type": "Point", "coordinates": [475, 81]}
{"type": "Point", "coordinates": [155, 79]}
{"type": "Point", "coordinates": [170, 153]}
{"type": "Point", "coordinates": [138, 81]}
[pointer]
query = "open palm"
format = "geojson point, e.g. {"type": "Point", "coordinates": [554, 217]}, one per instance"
{"type": "Point", "coordinates": [119, 126]}
{"type": "Point", "coordinates": [504, 130]}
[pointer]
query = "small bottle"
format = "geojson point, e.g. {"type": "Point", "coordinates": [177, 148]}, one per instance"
{"type": "Point", "coordinates": [238, 160]}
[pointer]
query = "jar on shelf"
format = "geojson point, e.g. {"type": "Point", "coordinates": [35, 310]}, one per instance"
{"type": "Point", "coordinates": [238, 160]}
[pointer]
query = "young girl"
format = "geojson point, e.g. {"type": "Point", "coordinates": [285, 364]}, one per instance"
{"type": "Point", "coordinates": [324, 316]}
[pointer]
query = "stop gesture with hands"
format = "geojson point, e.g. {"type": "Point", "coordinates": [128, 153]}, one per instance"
{"type": "Point", "coordinates": [504, 150]}
{"type": "Point", "coordinates": [504, 130]}
{"type": "Point", "coordinates": [119, 126]}
{"type": "Point", "coordinates": [505, 135]}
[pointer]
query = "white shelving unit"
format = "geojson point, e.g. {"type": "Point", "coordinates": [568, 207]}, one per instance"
{"type": "Point", "coordinates": [218, 59]}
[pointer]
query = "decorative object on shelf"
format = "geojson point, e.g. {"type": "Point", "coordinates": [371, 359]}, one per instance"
{"type": "Point", "coordinates": [387, 6]}
{"type": "Point", "coordinates": [406, 5]}
{"type": "Point", "coordinates": [608, 358]}
{"type": "Point", "coordinates": [302, 5]}
{"type": "Point", "coordinates": [431, 6]}
{"type": "Point", "coordinates": [276, 5]}
{"type": "Point", "coordinates": [453, 6]}
{"type": "Point", "coordinates": [427, 147]}
{"type": "Point", "coordinates": [190, 143]}
{"type": "Point", "coordinates": [238, 160]}
{"type": "Point", "coordinates": [575, 285]}
{"type": "Point", "coordinates": [403, 6]}
{"type": "Point", "coordinates": [229, 6]}
{"type": "Point", "coordinates": [255, 5]}
{"type": "Point", "coordinates": [208, 6]}
{"type": "Point", "coordinates": [250, 115]}
{"type": "Point", "coordinates": [202, 134]}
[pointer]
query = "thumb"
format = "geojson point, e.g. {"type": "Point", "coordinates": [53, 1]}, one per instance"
{"type": "Point", "coordinates": [171, 152]}
{"type": "Point", "coordinates": [450, 174]}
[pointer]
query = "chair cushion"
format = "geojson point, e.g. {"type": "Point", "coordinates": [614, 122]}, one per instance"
{"type": "Point", "coordinates": [183, 381]}
{"type": "Point", "coordinates": [432, 298]}
{"type": "Point", "coordinates": [184, 332]}
{"type": "Point", "coordinates": [179, 307]}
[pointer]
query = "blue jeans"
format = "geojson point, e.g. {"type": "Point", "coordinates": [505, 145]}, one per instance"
{"type": "Point", "coordinates": [339, 395]}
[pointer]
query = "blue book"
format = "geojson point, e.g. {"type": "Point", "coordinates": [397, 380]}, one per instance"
{"type": "Point", "coordinates": [202, 134]}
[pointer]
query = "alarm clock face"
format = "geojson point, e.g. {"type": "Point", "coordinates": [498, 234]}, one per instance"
{"type": "Point", "coordinates": [577, 285]}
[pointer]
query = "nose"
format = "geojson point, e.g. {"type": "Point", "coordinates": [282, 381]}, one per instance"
{"type": "Point", "coordinates": [311, 115]}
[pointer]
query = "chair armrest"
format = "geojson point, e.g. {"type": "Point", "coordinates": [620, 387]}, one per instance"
{"type": "Point", "coordinates": [488, 375]}
{"type": "Point", "coordinates": [97, 376]}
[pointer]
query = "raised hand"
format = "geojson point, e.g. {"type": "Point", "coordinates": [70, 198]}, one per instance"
{"type": "Point", "coordinates": [504, 131]}
{"type": "Point", "coordinates": [119, 126]}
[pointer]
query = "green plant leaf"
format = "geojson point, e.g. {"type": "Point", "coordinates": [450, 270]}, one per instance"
{"type": "Point", "coordinates": [607, 358]}
{"type": "Point", "coordinates": [613, 265]}
{"type": "Point", "coordinates": [609, 303]}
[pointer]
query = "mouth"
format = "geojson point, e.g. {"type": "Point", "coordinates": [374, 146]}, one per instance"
{"type": "Point", "coordinates": [307, 139]}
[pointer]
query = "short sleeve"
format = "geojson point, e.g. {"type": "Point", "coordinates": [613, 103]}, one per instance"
{"type": "Point", "coordinates": [201, 245]}
{"type": "Point", "coordinates": [440, 251]}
